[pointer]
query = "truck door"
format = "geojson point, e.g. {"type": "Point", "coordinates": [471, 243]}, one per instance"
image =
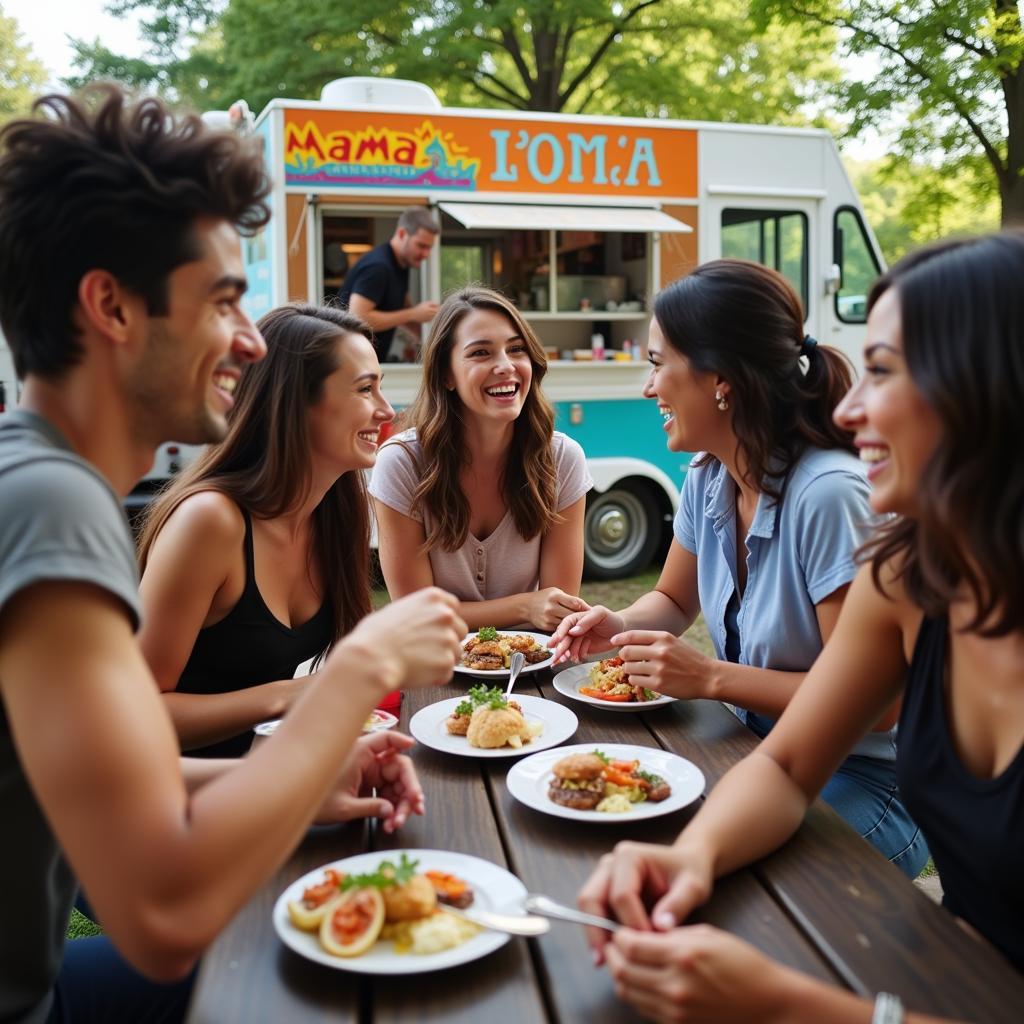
{"type": "Point", "coordinates": [779, 231]}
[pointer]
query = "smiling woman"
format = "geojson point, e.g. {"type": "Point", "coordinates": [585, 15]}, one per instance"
{"type": "Point", "coordinates": [482, 496]}
{"type": "Point", "coordinates": [236, 588]}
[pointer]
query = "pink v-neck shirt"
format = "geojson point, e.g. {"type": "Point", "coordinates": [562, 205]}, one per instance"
{"type": "Point", "coordinates": [499, 565]}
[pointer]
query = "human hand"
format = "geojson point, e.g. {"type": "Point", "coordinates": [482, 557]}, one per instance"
{"type": "Point", "coordinates": [700, 975]}
{"type": "Point", "coordinates": [674, 879]}
{"type": "Point", "coordinates": [580, 633]}
{"type": "Point", "coordinates": [664, 663]}
{"type": "Point", "coordinates": [423, 311]}
{"type": "Point", "coordinates": [548, 607]}
{"type": "Point", "coordinates": [376, 762]}
{"type": "Point", "coordinates": [419, 637]}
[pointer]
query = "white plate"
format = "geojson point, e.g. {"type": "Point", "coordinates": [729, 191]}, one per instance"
{"type": "Point", "coordinates": [502, 673]}
{"type": "Point", "coordinates": [427, 726]}
{"type": "Point", "coordinates": [528, 781]}
{"type": "Point", "coordinates": [494, 888]}
{"type": "Point", "coordinates": [377, 721]}
{"type": "Point", "coordinates": [568, 683]}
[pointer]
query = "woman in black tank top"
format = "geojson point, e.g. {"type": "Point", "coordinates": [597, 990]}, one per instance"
{"type": "Point", "coordinates": [256, 559]}
{"type": "Point", "coordinates": [935, 620]}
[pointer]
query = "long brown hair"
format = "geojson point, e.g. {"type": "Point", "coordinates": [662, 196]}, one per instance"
{"type": "Point", "coordinates": [962, 316]}
{"type": "Point", "coordinates": [528, 483]}
{"type": "Point", "coordinates": [263, 464]}
{"type": "Point", "coordinates": [743, 321]}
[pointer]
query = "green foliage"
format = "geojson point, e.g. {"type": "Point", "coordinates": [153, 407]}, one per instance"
{"type": "Point", "coordinates": [80, 927]}
{"type": "Point", "coordinates": [387, 874]}
{"type": "Point", "coordinates": [910, 202]}
{"type": "Point", "coordinates": [680, 58]}
{"type": "Point", "coordinates": [21, 75]}
{"type": "Point", "coordinates": [949, 70]}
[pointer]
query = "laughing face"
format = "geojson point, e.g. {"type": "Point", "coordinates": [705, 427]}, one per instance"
{"type": "Point", "coordinates": [490, 366]}
{"type": "Point", "coordinates": [686, 398]}
{"type": "Point", "coordinates": [184, 379]}
{"type": "Point", "coordinates": [894, 428]}
{"type": "Point", "coordinates": [345, 421]}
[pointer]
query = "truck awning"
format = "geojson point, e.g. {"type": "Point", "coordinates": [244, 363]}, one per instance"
{"type": "Point", "coordinates": [513, 216]}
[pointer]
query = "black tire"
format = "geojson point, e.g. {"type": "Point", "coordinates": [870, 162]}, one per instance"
{"type": "Point", "coordinates": [621, 532]}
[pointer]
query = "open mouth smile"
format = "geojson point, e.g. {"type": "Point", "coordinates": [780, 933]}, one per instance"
{"type": "Point", "coordinates": [875, 457]}
{"type": "Point", "coordinates": [509, 390]}
{"type": "Point", "coordinates": [225, 384]}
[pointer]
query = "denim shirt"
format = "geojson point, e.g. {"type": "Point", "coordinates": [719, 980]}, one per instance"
{"type": "Point", "coordinates": [799, 551]}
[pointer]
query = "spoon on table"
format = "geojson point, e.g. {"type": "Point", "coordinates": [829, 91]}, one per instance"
{"type": "Point", "coordinates": [547, 907]}
{"type": "Point", "coordinates": [518, 661]}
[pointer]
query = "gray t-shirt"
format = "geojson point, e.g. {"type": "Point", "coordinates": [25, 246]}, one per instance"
{"type": "Point", "coordinates": [502, 563]}
{"type": "Point", "coordinates": [59, 520]}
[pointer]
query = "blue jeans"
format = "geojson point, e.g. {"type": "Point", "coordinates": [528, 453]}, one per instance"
{"type": "Point", "coordinates": [863, 791]}
{"type": "Point", "coordinates": [95, 986]}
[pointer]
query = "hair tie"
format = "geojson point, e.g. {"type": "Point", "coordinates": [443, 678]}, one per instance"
{"type": "Point", "coordinates": [807, 345]}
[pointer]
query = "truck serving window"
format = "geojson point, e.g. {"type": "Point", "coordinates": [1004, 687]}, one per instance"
{"type": "Point", "coordinates": [857, 264]}
{"type": "Point", "coordinates": [776, 238]}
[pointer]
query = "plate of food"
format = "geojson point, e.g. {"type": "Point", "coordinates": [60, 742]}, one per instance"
{"type": "Point", "coordinates": [487, 652]}
{"type": "Point", "coordinates": [484, 723]}
{"type": "Point", "coordinates": [604, 684]}
{"type": "Point", "coordinates": [385, 913]}
{"type": "Point", "coordinates": [377, 721]}
{"type": "Point", "coordinates": [607, 782]}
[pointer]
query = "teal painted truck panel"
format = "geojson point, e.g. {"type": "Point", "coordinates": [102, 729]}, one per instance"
{"type": "Point", "coordinates": [622, 428]}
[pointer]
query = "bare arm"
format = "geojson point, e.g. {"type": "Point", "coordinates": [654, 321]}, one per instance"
{"type": "Point", "coordinates": [671, 606]}
{"type": "Point", "coordinates": [165, 869]}
{"type": "Point", "coordinates": [721, 977]}
{"type": "Point", "coordinates": [761, 801]}
{"type": "Point", "coordinates": [378, 320]}
{"type": "Point", "coordinates": [187, 586]}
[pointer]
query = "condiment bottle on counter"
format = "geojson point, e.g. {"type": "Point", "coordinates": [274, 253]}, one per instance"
{"type": "Point", "coordinates": [597, 347]}
{"type": "Point", "coordinates": [627, 347]}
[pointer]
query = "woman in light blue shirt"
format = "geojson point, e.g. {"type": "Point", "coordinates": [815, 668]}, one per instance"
{"type": "Point", "coordinates": [771, 514]}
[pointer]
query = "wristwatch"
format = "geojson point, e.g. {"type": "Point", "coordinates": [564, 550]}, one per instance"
{"type": "Point", "coordinates": [888, 1009]}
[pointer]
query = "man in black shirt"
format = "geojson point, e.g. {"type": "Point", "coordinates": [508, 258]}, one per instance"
{"type": "Point", "coordinates": [377, 288]}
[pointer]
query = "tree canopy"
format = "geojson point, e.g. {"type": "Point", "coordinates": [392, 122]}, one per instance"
{"type": "Point", "coordinates": [21, 75]}
{"type": "Point", "coordinates": [949, 70]}
{"type": "Point", "coordinates": [683, 58]}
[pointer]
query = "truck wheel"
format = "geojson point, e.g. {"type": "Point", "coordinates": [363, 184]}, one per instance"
{"type": "Point", "coordinates": [620, 533]}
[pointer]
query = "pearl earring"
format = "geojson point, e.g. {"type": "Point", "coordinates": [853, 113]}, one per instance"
{"type": "Point", "coordinates": [720, 399]}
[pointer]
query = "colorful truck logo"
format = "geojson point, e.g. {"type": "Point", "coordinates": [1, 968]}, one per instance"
{"type": "Point", "coordinates": [345, 149]}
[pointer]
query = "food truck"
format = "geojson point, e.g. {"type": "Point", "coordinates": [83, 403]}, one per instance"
{"type": "Point", "coordinates": [578, 219]}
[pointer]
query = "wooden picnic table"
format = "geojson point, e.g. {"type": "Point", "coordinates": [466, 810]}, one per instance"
{"type": "Point", "coordinates": [826, 903]}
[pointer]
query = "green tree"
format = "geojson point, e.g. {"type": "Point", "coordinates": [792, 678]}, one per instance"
{"type": "Point", "coordinates": [21, 75]}
{"type": "Point", "coordinates": [684, 58]}
{"type": "Point", "coordinates": [909, 203]}
{"type": "Point", "coordinates": [183, 59]}
{"type": "Point", "coordinates": [950, 70]}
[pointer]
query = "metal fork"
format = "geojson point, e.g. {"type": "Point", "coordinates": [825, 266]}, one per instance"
{"type": "Point", "coordinates": [516, 666]}
{"type": "Point", "coordinates": [535, 903]}
{"type": "Point", "coordinates": [514, 924]}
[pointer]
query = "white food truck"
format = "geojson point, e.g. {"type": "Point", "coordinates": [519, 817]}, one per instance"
{"type": "Point", "coordinates": [580, 220]}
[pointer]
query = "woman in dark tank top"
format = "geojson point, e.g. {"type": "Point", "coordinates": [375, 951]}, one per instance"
{"type": "Point", "coordinates": [256, 559]}
{"type": "Point", "coordinates": [936, 618]}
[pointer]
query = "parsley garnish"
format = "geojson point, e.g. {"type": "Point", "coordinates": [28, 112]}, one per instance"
{"type": "Point", "coordinates": [650, 694]}
{"type": "Point", "coordinates": [387, 874]}
{"type": "Point", "coordinates": [601, 754]}
{"type": "Point", "coordinates": [486, 634]}
{"type": "Point", "coordinates": [492, 696]}
{"type": "Point", "coordinates": [654, 780]}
